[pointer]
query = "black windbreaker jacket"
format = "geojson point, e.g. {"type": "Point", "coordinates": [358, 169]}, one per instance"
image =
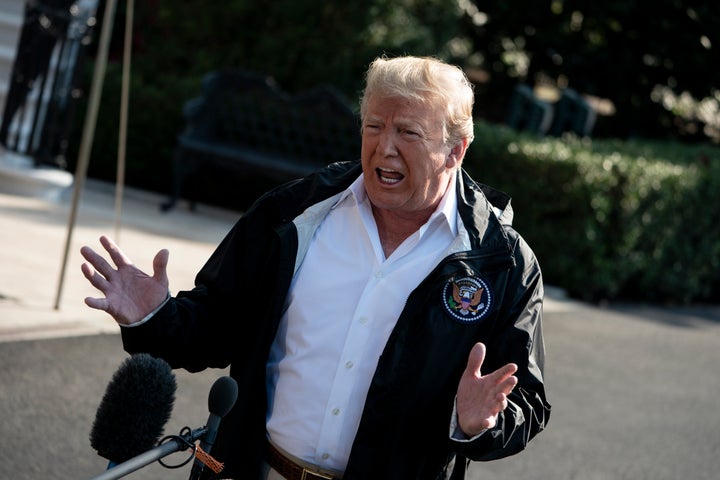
{"type": "Point", "coordinates": [231, 316]}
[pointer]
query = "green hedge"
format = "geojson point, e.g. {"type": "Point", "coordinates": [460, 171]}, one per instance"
{"type": "Point", "coordinates": [611, 219]}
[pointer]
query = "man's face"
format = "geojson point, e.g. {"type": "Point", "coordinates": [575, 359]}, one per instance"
{"type": "Point", "coordinates": [406, 163]}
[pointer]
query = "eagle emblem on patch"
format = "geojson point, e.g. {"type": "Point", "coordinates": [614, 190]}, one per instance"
{"type": "Point", "coordinates": [467, 299]}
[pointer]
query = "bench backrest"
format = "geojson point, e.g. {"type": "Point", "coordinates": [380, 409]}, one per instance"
{"type": "Point", "coordinates": [249, 111]}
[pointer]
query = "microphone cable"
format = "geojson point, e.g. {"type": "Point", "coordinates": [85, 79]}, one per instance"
{"type": "Point", "coordinates": [182, 437]}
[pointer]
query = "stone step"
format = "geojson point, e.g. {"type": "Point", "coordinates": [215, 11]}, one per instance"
{"type": "Point", "coordinates": [19, 176]}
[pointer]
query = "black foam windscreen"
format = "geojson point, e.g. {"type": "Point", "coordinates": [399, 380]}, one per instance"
{"type": "Point", "coordinates": [136, 405]}
{"type": "Point", "coordinates": [222, 397]}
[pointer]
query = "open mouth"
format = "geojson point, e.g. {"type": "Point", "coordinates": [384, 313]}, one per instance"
{"type": "Point", "coordinates": [389, 177]}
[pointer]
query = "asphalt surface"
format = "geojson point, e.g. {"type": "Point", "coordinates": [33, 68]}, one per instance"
{"type": "Point", "coordinates": [634, 389]}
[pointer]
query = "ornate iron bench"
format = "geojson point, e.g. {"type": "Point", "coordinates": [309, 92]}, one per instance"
{"type": "Point", "coordinates": [243, 123]}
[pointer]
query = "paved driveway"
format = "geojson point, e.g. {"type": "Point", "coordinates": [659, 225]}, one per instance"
{"type": "Point", "coordinates": [634, 394]}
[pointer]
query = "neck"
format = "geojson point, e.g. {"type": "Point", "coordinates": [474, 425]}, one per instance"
{"type": "Point", "coordinates": [394, 226]}
{"type": "Point", "coordinates": [394, 229]}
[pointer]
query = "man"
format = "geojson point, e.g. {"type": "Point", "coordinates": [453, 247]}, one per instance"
{"type": "Point", "coordinates": [382, 319]}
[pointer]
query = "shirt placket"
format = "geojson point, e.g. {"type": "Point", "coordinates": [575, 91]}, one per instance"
{"type": "Point", "coordinates": [347, 376]}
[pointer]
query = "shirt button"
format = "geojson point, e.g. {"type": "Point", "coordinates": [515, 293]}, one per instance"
{"type": "Point", "coordinates": [336, 411]}
{"type": "Point", "coordinates": [349, 365]}
{"type": "Point", "coordinates": [363, 320]}
{"type": "Point", "coordinates": [325, 456]}
{"type": "Point", "coordinates": [378, 274]}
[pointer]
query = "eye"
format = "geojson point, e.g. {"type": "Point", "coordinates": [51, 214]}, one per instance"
{"type": "Point", "coordinates": [371, 127]}
{"type": "Point", "coordinates": [409, 133]}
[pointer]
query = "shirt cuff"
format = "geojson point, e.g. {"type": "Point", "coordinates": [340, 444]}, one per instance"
{"type": "Point", "coordinates": [456, 432]}
{"type": "Point", "coordinates": [149, 315]}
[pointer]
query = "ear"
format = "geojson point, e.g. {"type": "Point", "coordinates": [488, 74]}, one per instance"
{"type": "Point", "coordinates": [457, 153]}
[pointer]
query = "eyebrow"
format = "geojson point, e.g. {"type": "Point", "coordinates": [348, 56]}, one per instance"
{"type": "Point", "coordinates": [400, 122]}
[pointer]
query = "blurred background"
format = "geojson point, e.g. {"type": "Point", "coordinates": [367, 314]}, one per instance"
{"type": "Point", "coordinates": [601, 120]}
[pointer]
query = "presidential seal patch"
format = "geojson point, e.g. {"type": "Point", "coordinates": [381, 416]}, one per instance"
{"type": "Point", "coordinates": [467, 299]}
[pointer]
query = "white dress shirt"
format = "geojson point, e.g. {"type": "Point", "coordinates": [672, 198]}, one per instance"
{"type": "Point", "coordinates": [342, 305]}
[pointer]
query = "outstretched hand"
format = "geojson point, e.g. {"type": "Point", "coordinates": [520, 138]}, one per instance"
{"type": "Point", "coordinates": [129, 293]}
{"type": "Point", "coordinates": [480, 398]}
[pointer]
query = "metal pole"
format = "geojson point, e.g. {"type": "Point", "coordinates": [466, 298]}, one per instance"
{"type": "Point", "coordinates": [122, 139]}
{"type": "Point", "coordinates": [142, 460]}
{"type": "Point", "coordinates": [88, 133]}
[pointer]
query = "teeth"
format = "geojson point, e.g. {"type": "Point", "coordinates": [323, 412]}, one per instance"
{"type": "Point", "coordinates": [394, 178]}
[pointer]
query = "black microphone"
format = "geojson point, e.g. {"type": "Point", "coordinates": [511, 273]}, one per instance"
{"type": "Point", "coordinates": [137, 403]}
{"type": "Point", "coordinates": [221, 400]}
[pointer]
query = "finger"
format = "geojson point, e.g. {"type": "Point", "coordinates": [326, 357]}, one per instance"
{"type": "Point", "coordinates": [96, 280]}
{"type": "Point", "coordinates": [97, 261]}
{"type": "Point", "coordinates": [160, 263]}
{"type": "Point", "coordinates": [504, 372]}
{"type": "Point", "coordinates": [507, 385]}
{"type": "Point", "coordinates": [476, 359]}
{"type": "Point", "coordinates": [97, 303]}
{"type": "Point", "coordinates": [117, 255]}
{"type": "Point", "coordinates": [486, 423]}
{"type": "Point", "coordinates": [502, 404]}
{"type": "Point", "coordinates": [502, 379]}
{"type": "Point", "coordinates": [87, 253]}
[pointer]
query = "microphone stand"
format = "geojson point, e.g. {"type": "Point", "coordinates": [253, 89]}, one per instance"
{"type": "Point", "coordinates": [175, 444]}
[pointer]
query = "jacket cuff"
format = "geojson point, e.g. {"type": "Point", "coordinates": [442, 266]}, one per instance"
{"type": "Point", "coordinates": [149, 315]}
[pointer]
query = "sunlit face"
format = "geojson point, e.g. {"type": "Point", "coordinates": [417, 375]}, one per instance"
{"type": "Point", "coordinates": [406, 163]}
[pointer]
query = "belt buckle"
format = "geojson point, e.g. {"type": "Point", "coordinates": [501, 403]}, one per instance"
{"type": "Point", "coordinates": [311, 475]}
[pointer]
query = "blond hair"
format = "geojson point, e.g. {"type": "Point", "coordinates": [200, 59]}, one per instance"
{"type": "Point", "coordinates": [424, 79]}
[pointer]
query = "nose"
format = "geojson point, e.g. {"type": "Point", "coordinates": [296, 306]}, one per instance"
{"type": "Point", "coordinates": [386, 144]}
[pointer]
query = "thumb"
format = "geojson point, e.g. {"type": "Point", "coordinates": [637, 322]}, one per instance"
{"type": "Point", "coordinates": [475, 360]}
{"type": "Point", "coordinates": [160, 263]}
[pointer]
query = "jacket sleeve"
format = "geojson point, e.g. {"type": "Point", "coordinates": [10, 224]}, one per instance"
{"type": "Point", "coordinates": [192, 329]}
{"type": "Point", "coordinates": [518, 339]}
{"type": "Point", "coordinates": [232, 300]}
{"type": "Point", "coordinates": [231, 315]}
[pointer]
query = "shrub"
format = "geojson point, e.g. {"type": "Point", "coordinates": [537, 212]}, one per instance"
{"type": "Point", "coordinates": [611, 219]}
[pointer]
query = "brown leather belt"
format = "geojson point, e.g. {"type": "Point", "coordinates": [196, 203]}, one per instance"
{"type": "Point", "coordinates": [291, 470]}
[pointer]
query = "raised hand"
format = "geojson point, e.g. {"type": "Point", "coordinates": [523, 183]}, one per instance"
{"type": "Point", "coordinates": [481, 397]}
{"type": "Point", "coordinates": [129, 293]}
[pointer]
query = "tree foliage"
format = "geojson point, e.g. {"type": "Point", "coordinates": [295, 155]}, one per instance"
{"type": "Point", "coordinates": [654, 60]}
